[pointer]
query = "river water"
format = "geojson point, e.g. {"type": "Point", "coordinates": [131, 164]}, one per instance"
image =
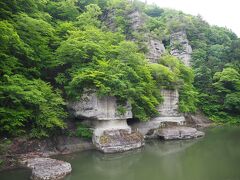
{"type": "Point", "coordinates": [214, 157]}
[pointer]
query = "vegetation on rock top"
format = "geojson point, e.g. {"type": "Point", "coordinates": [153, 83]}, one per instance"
{"type": "Point", "coordinates": [51, 50]}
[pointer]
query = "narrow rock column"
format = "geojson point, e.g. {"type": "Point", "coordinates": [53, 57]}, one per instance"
{"type": "Point", "coordinates": [180, 47]}
{"type": "Point", "coordinates": [111, 133]}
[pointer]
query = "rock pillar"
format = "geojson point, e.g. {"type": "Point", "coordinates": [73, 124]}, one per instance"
{"type": "Point", "coordinates": [111, 132]}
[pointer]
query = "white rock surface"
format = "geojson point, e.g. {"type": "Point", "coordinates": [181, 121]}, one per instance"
{"type": "Point", "coordinates": [169, 107]}
{"type": "Point", "coordinates": [111, 132]}
{"type": "Point", "coordinates": [180, 47]}
{"type": "Point", "coordinates": [180, 132]}
{"type": "Point", "coordinates": [47, 168]}
{"type": "Point", "coordinates": [155, 50]}
{"type": "Point", "coordinates": [110, 125]}
{"type": "Point", "coordinates": [118, 140]}
{"type": "Point", "coordinates": [93, 107]}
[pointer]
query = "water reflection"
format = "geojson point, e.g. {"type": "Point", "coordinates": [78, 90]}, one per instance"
{"type": "Point", "coordinates": [106, 166]}
{"type": "Point", "coordinates": [164, 148]}
{"type": "Point", "coordinates": [214, 157]}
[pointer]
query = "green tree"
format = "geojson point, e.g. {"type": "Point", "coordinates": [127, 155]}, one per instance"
{"type": "Point", "coordinates": [29, 106]}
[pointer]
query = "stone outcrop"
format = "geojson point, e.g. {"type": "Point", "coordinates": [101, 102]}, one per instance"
{"type": "Point", "coordinates": [137, 20]}
{"type": "Point", "coordinates": [177, 133]}
{"type": "Point", "coordinates": [111, 132]}
{"type": "Point", "coordinates": [169, 107]}
{"type": "Point", "coordinates": [180, 47]}
{"type": "Point", "coordinates": [155, 50]}
{"type": "Point", "coordinates": [93, 107]}
{"type": "Point", "coordinates": [168, 111]}
{"type": "Point", "coordinates": [47, 168]}
{"type": "Point", "coordinates": [49, 146]}
{"type": "Point", "coordinates": [154, 45]}
{"type": "Point", "coordinates": [198, 120]}
{"type": "Point", "coordinates": [119, 141]}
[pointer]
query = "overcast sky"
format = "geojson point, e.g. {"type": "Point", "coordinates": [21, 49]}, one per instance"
{"type": "Point", "coordinates": [216, 12]}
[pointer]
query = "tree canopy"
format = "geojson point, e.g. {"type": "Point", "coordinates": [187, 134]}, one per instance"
{"type": "Point", "coordinates": [52, 49]}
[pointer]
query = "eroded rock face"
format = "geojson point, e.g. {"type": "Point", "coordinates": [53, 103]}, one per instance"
{"type": "Point", "coordinates": [47, 168]}
{"type": "Point", "coordinates": [137, 20]}
{"type": "Point", "coordinates": [169, 107]}
{"type": "Point", "coordinates": [180, 132]}
{"type": "Point", "coordinates": [180, 47]}
{"type": "Point", "coordinates": [168, 111]}
{"type": "Point", "coordinates": [93, 107]}
{"type": "Point", "coordinates": [119, 140]}
{"type": "Point", "coordinates": [155, 50]}
{"type": "Point", "coordinates": [111, 132]}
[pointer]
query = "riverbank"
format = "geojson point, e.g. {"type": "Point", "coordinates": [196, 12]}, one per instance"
{"type": "Point", "coordinates": [213, 157]}
{"type": "Point", "coordinates": [15, 150]}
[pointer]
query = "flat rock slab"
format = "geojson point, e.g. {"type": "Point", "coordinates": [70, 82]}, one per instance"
{"type": "Point", "coordinates": [119, 141]}
{"type": "Point", "coordinates": [47, 168]}
{"type": "Point", "coordinates": [180, 132]}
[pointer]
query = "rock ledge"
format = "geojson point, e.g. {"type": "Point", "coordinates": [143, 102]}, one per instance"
{"type": "Point", "coordinates": [181, 132]}
{"type": "Point", "coordinates": [47, 168]}
{"type": "Point", "coordinates": [119, 141]}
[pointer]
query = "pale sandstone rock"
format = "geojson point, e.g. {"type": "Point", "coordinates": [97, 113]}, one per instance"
{"type": "Point", "coordinates": [180, 132]}
{"type": "Point", "coordinates": [109, 123]}
{"type": "Point", "coordinates": [119, 141]}
{"type": "Point", "coordinates": [137, 20]}
{"type": "Point", "coordinates": [183, 50]}
{"type": "Point", "coordinates": [99, 108]}
{"type": "Point", "coordinates": [47, 168]}
{"type": "Point", "coordinates": [155, 50]}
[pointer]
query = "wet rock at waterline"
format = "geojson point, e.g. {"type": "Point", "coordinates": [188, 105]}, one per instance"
{"type": "Point", "coordinates": [115, 136]}
{"type": "Point", "coordinates": [169, 107]}
{"type": "Point", "coordinates": [121, 140]}
{"type": "Point", "coordinates": [47, 168]}
{"type": "Point", "coordinates": [90, 106]}
{"type": "Point", "coordinates": [111, 132]}
{"type": "Point", "coordinates": [177, 133]}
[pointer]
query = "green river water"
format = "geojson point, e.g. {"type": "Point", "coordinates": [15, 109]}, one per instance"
{"type": "Point", "coordinates": [214, 157]}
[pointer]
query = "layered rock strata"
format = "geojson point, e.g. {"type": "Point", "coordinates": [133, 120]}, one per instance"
{"type": "Point", "coordinates": [176, 133]}
{"type": "Point", "coordinates": [168, 110]}
{"type": "Point", "coordinates": [47, 168]}
{"type": "Point", "coordinates": [111, 132]}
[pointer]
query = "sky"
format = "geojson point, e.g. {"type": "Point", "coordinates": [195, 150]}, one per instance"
{"type": "Point", "coordinates": [224, 13]}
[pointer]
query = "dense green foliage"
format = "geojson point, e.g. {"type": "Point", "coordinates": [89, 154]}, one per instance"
{"type": "Point", "coordinates": [51, 50]}
{"type": "Point", "coordinates": [29, 104]}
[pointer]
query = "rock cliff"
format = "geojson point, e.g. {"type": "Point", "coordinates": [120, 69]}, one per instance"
{"type": "Point", "coordinates": [111, 132]}
{"type": "Point", "coordinates": [47, 168]}
{"type": "Point", "coordinates": [155, 50]}
{"type": "Point", "coordinates": [169, 109]}
{"type": "Point", "coordinates": [180, 47]}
